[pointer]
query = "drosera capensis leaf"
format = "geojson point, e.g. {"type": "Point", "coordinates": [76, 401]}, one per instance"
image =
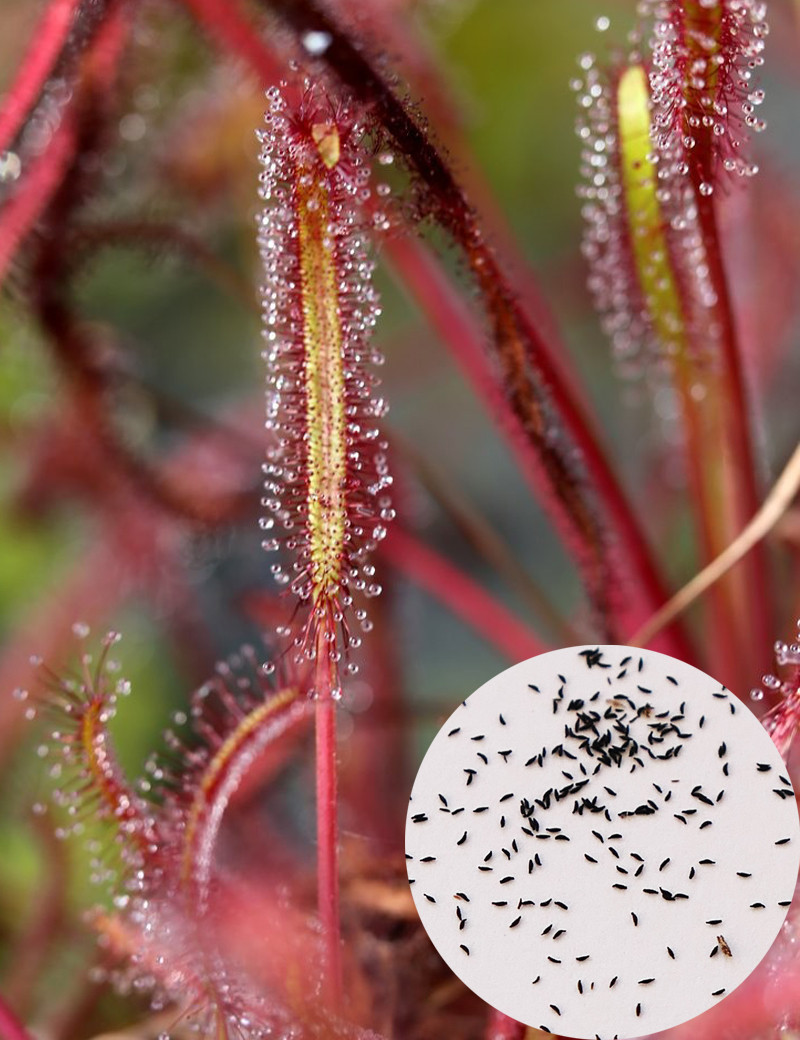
{"type": "Point", "coordinates": [327, 477]}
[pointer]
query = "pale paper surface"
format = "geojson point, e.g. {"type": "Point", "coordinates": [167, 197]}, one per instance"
{"type": "Point", "coordinates": [746, 823]}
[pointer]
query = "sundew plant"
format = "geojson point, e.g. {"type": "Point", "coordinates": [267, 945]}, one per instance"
{"type": "Point", "coordinates": [350, 353]}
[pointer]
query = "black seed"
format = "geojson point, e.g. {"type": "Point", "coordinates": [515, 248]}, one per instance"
{"type": "Point", "coordinates": [717, 920]}
{"type": "Point", "coordinates": [561, 931]}
{"type": "Point", "coordinates": [481, 808]}
{"type": "Point", "coordinates": [562, 905]}
{"type": "Point", "coordinates": [515, 922]}
{"type": "Point", "coordinates": [763, 767]}
{"type": "Point", "coordinates": [502, 720]}
{"type": "Point", "coordinates": [500, 902]}
{"type": "Point", "coordinates": [419, 818]}
{"type": "Point", "coordinates": [785, 902]}
{"type": "Point", "coordinates": [554, 960]}
{"type": "Point", "coordinates": [538, 977]}
{"type": "Point", "coordinates": [756, 906]}
{"type": "Point", "coordinates": [462, 839]}
{"type": "Point", "coordinates": [638, 1010]}
{"type": "Point", "coordinates": [717, 992]}
{"type": "Point", "coordinates": [505, 880]}
{"type": "Point", "coordinates": [613, 982]}
{"type": "Point", "coordinates": [664, 863]}
{"type": "Point", "coordinates": [465, 949]}
{"type": "Point", "coordinates": [669, 951]}
{"type": "Point", "coordinates": [782, 841]}
{"type": "Point", "coordinates": [453, 732]}
{"type": "Point", "coordinates": [553, 1006]}
{"type": "Point", "coordinates": [715, 951]}
{"type": "Point", "coordinates": [591, 859]}
{"type": "Point", "coordinates": [547, 930]}
{"type": "Point", "coordinates": [721, 751]}
{"type": "Point", "coordinates": [429, 898]}
{"type": "Point", "coordinates": [462, 895]}
{"type": "Point", "coordinates": [428, 859]}
{"type": "Point", "coordinates": [635, 918]}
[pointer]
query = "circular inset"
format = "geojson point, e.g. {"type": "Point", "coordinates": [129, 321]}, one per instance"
{"type": "Point", "coordinates": [602, 841]}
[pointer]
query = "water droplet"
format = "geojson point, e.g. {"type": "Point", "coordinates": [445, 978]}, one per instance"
{"type": "Point", "coordinates": [317, 42]}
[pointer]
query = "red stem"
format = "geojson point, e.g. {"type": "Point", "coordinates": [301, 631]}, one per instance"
{"type": "Point", "coordinates": [327, 822]}
{"type": "Point", "coordinates": [501, 1027]}
{"type": "Point", "coordinates": [35, 190]}
{"type": "Point", "coordinates": [46, 44]}
{"type": "Point", "coordinates": [758, 623]}
{"type": "Point", "coordinates": [227, 25]}
{"type": "Point", "coordinates": [10, 1026]}
{"type": "Point", "coordinates": [464, 597]}
{"type": "Point", "coordinates": [449, 315]}
{"type": "Point", "coordinates": [47, 173]}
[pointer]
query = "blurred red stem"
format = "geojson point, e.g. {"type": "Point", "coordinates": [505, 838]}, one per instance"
{"type": "Point", "coordinates": [10, 1026]}
{"type": "Point", "coordinates": [227, 24]}
{"type": "Point", "coordinates": [501, 1027]}
{"type": "Point", "coordinates": [759, 624]}
{"type": "Point", "coordinates": [450, 317]}
{"type": "Point", "coordinates": [35, 191]}
{"type": "Point", "coordinates": [47, 42]}
{"type": "Point", "coordinates": [465, 598]}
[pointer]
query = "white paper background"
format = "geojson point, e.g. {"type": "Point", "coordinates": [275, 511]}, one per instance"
{"type": "Point", "coordinates": [747, 822]}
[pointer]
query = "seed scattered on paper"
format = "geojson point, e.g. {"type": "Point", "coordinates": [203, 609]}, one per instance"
{"type": "Point", "coordinates": [631, 843]}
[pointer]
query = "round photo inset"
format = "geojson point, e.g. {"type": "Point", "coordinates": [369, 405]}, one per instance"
{"type": "Point", "coordinates": [602, 841]}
